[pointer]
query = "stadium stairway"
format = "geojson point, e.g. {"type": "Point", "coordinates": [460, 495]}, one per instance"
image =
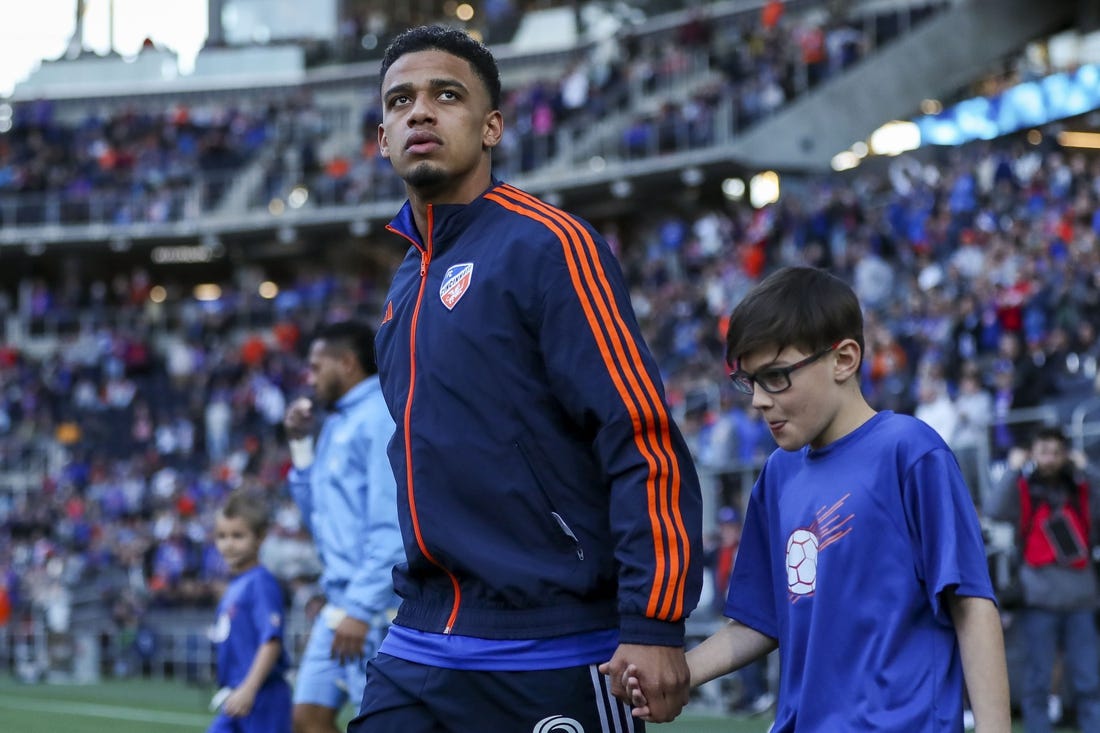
{"type": "Point", "coordinates": [935, 60]}
{"type": "Point", "coordinates": [342, 109]}
{"type": "Point", "coordinates": [641, 102]}
{"type": "Point", "coordinates": [244, 190]}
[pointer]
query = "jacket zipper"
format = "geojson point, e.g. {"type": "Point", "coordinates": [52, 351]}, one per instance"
{"type": "Point", "coordinates": [425, 259]}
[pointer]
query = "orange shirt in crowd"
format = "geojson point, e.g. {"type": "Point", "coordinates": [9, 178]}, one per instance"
{"type": "Point", "coordinates": [770, 15]}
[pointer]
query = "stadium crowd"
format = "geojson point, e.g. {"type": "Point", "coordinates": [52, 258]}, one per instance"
{"type": "Point", "coordinates": [165, 162]}
{"type": "Point", "coordinates": [979, 268]}
{"type": "Point", "coordinates": [762, 60]}
{"type": "Point", "coordinates": [980, 271]}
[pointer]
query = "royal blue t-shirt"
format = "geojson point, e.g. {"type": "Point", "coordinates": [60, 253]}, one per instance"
{"type": "Point", "coordinates": [844, 558]}
{"type": "Point", "coordinates": [250, 613]}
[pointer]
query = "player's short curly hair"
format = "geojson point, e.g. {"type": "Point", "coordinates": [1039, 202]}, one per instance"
{"type": "Point", "coordinates": [452, 41]}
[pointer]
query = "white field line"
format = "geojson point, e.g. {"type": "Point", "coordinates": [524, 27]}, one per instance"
{"type": "Point", "coordinates": [110, 712]}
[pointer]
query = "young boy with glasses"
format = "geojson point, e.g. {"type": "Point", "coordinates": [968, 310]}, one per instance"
{"type": "Point", "coordinates": [861, 557]}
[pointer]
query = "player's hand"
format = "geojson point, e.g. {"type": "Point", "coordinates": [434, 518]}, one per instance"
{"type": "Point", "coordinates": [348, 638]}
{"type": "Point", "coordinates": [298, 420]}
{"type": "Point", "coordinates": [660, 677]}
{"type": "Point", "coordinates": [239, 702]}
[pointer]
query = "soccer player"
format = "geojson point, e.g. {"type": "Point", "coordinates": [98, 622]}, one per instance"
{"type": "Point", "coordinates": [345, 489]}
{"type": "Point", "coordinates": [861, 557]}
{"type": "Point", "coordinates": [252, 660]}
{"type": "Point", "coordinates": [549, 505]}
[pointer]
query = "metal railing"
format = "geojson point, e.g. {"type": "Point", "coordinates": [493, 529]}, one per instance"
{"type": "Point", "coordinates": [176, 647]}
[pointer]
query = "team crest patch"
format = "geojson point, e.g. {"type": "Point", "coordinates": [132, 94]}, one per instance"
{"type": "Point", "coordinates": [455, 283]}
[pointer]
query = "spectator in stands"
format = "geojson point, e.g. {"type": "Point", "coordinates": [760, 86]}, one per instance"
{"type": "Point", "coordinates": [936, 408]}
{"type": "Point", "coordinates": [974, 405]}
{"type": "Point", "coordinates": [1044, 495]}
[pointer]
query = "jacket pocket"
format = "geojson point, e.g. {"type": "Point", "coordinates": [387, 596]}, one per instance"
{"type": "Point", "coordinates": [561, 526]}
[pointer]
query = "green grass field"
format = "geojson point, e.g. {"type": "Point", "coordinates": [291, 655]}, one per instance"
{"type": "Point", "coordinates": [144, 706]}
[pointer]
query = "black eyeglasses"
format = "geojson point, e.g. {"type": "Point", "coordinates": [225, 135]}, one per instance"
{"type": "Point", "coordinates": [773, 380]}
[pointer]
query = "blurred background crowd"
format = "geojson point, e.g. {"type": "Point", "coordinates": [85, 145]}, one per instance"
{"type": "Point", "coordinates": [130, 405]}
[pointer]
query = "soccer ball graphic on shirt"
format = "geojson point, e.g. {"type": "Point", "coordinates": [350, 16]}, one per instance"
{"type": "Point", "coordinates": [802, 547]}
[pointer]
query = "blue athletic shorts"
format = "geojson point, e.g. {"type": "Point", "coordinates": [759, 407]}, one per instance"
{"type": "Point", "coordinates": [270, 713]}
{"type": "Point", "coordinates": [321, 679]}
{"type": "Point", "coordinates": [406, 697]}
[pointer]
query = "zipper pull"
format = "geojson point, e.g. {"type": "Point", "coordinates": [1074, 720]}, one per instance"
{"type": "Point", "coordinates": [424, 258]}
{"type": "Point", "coordinates": [569, 533]}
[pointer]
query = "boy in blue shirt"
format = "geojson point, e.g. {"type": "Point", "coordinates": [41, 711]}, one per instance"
{"type": "Point", "coordinates": [249, 629]}
{"type": "Point", "coordinates": [861, 557]}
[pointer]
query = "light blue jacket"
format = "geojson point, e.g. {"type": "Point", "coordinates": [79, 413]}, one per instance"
{"type": "Point", "coordinates": [348, 500]}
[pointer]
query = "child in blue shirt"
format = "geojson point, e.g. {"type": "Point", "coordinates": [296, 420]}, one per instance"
{"type": "Point", "coordinates": [861, 557]}
{"type": "Point", "coordinates": [249, 630]}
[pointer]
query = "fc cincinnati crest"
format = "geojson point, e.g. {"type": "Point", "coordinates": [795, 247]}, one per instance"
{"type": "Point", "coordinates": [455, 283]}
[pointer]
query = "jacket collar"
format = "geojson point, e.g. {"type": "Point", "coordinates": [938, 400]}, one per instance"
{"type": "Point", "coordinates": [447, 219]}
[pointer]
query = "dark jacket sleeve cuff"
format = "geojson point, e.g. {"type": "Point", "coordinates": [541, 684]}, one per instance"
{"type": "Point", "coordinates": [650, 632]}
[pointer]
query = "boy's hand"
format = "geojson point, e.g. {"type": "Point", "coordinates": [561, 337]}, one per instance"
{"type": "Point", "coordinates": [239, 702]}
{"type": "Point", "coordinates": [638, 702]}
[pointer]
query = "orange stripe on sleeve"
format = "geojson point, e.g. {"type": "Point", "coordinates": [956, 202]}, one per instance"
{"type": "Point", "coordinates": [669, 581]}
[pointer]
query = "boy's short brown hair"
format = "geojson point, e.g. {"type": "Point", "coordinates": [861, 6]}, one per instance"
{"type": "Point", "coordinates": [803, 307]}
{"type": "Point", "coordinates": [250, 507]}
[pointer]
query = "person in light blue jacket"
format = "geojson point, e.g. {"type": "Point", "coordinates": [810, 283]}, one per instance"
{"type": "Point", "coordinates": [345, 489]}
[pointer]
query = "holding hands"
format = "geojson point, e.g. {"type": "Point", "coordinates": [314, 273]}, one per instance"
{"type": "Point", "coordinates": [654, 680]}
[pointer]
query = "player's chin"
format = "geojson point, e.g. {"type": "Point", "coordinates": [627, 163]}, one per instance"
{"type": "Point", "coordinates": [426, 174]}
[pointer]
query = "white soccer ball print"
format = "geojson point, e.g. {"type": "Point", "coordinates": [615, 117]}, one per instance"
{"type": "Point", "coordinates": [802, 562]}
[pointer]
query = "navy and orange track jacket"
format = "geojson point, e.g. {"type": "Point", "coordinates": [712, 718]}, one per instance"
{"type": "Point", "coordinates": [543, 488]}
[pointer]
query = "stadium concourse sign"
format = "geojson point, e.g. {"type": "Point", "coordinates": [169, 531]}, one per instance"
{"type": "Point", "coordinates": [186, 254]}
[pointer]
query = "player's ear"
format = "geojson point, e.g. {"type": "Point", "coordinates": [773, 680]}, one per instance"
{"type": "Point", "coordinates": [383, 142]}
{"type": "Point", "coordinates": [493, 131]}
{"type": "Point", "coordinates": [349, 362]}
{"type": "Point", "coordinates": [848, 357]}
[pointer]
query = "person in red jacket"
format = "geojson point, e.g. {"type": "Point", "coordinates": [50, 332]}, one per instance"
{"type": "Point", "coordinates": [1051, 506]}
